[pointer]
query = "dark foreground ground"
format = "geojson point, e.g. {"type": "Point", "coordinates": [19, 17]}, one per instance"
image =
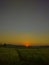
{"type": "Point", "coordinates": [24, 56]}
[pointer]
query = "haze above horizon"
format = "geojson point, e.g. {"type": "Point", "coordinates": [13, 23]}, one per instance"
{"type": "Point", "coordinates": [25, 22]}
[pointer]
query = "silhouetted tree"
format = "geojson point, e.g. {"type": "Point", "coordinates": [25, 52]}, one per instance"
{"type": "Point", "coordinates": [4, 44]}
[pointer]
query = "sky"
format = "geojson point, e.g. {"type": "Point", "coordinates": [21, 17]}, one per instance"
{"type": "Point", "coordinates": [24, 21]}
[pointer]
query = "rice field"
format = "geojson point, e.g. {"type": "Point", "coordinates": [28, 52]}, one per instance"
{"type": "Point", "coordinates": [27, 56]}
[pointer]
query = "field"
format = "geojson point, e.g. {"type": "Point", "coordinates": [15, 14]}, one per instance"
{"type": "Point", "coordinates": [25, 56]}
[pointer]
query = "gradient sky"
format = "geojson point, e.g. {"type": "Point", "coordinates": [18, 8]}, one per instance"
{"type": "Point", "coordinates": [24, 21]}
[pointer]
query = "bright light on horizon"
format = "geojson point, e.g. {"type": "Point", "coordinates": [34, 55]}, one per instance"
{"type": "Point", "coordinates": [26, 43]}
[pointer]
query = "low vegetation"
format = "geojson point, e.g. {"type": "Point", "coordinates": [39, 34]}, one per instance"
{"type": "Point", "coordinates": [26, 56]}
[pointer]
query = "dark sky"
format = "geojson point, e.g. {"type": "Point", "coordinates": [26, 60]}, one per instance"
{"type": "Point", "coordinates": [29, 17]}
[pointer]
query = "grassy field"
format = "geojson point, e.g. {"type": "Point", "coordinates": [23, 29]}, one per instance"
{"type": "Point", "coordinates": [14, 56]}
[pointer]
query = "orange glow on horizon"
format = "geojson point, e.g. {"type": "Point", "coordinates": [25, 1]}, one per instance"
{"type": "Point", "coordinates": [26, 44]}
